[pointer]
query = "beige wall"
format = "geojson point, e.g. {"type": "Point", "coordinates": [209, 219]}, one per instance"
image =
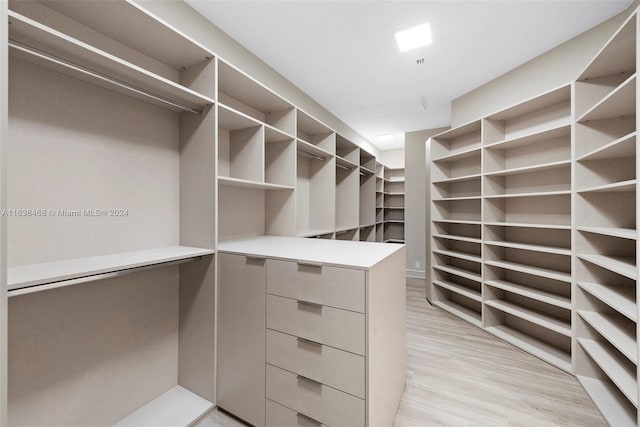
{"type": "Point", "coordinates": [550, 70]}
{"type": "Point", "coordinates": [416, 198]}
{"type": "Point", "coordinates": [190, 22]}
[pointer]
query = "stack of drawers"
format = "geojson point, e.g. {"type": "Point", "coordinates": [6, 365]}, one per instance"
{"type": "Point", "coordinates": [315, 345]}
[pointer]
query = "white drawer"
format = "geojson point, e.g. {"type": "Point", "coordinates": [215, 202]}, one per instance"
{"type": "Point", "coordinates": [281, 416]}
{"type": "Point", "coordinates": [317, 401]}
{"type": "Point", "coordinates": [331, 286]}
{"type": "Point", "coordinates": [336, 368]}
{"type": "Point", "coordinates": [342, 329]}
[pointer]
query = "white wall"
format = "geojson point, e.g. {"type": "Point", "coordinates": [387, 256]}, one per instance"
{"type": "Point", "coordinates": [190, 22]}
{"type": "Point", "coordinates": [392, 158]}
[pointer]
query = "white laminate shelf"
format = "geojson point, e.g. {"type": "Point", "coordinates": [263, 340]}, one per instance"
{"type": "Point", "coordinates": [394, 221]}
{"type": "Point", "coordinates": [604, 395]}
{"type": "Point", "coordinates": [532, 194]}
{"type": "Point", "coordinates": [312, 150]}
{"type": "Point", "coordinates": [245, 183]}
{"type": "Point", "coordinates": [459, 289]}
{"type": "Point", "coordinates": [35, 42]}
{"type": "Point", "coordinates": [347, 164]}
{"type": "Point", "coordinates": [614, 331]}
{"type": "Point", "coordinates": [458, 238]}
{"type": "Point", "coordinates": [529, 225]}
{"type": "Point", "coordinates": [623, 378]}
{"type": "Point", "coordinates": [453, 199]}
{"type": "Point", "coordinates": [533, 168]}
{"type": "Point", "coordinates": [614, 187]}
{"type": "Point", "coordinates": [533, 137]}
{"type": "Point", "coordinates": [533, 346]}
{"type": "Point", "coordinates": [393, 207]}
{"type": "Point", "coordinates": [49, 275]}
{"type": "Point", "coordinates": [625, 266]}
{"type": "Point", "coordinates": [529, 292]}
{"type": "Point", "coordinates": [459, 255]}
{"type": "Point", "coordinates": [472, 177]}
{"type": "Point", "coordinates": [534, 271]}
{"type": "Point", "coordinates": [461, 272]}
{"type": "Point", "coordinates": [623, 233]}
{"type": "Point", "coordinates": [396, 179]}
{"type": "Point", "coordinates": [619, 102]}
{"type": "Point", "coordinates": [389, 193]}
{"type": "Point", "coordinates": [460, 154]}
{"type": "Point", "coordinates": [176, 407]}
{"type": "Point", "coordinates": [528, 247]}
{"type": "Point", "coordinates": [457, 221]}
{"type": "Point", "coordinates": [312, 232]}
{"type": "Point", "coordinates": [548, 322]}
{"type": "Point", "coordinates": [460, 311]}
{"type": "Point", "coordinates": [620, 298]}
{"type": "Point", "coordinates": [621, 148]}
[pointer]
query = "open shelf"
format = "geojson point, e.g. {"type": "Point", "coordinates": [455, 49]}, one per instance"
{"type": "Point", "coordinates": [460, 311]}
{"type": "Point", "coordinates": [534, 271]}
{"type": "Point", "coordinates": [315, 133]}
{"type": "Point", "coordinates": [312, 150]}
{"type": "Point", "coordinates": [614, 331]}
{"type": "Point", "coordinates": [532, 316]}
{"type": "Point", "coordinates": [44, 46]}
{"type": "Point", "coordinates": [621, 265]}
{"type": "Point", "coordinates": [460, 155]}
{"type": "Point", "coordinates": [623, 378]}
{"type": "Point", "coordinates": [457, 221]}
{"type": "Point", "coordinates": [555, 131]}
{"type": "Point", "coordinates": [458, 254]}
{"type": "Point", "coordinates": [529, 225]}
{"type": "Point", "coordinates": [622, 147]}
{"type": "Point", "coordinates": [533, 194]}
{"type": "Point", "coordinates": [244, 183]}
{"type": "Point", "coordinates": [533, 346]}
{"type": "Point", "coordinates": [620, 298]}
{"type": "Point", "coordinates": [528, 247]}
{"type": "Point", "coordinates": [620, 102]}
{"type": "Point", "coordinates": [535, 294]}
{"type": "Point", "coordinates": [604, 395]}
{"type": "Point", "coordinates": [459, 289]}
{"type": "Point", "coordinates": [176, 407]}
{"type": "Point", "coordinates": [62, 273]}
{"type": "Point", "coordinates": [533, 168]}
{"type": "Point", "coordinates": [615, 187]}
{"type": "Point", "coordinates": [472, 177]}
{"type": "Point", "coordinates": [459, 272]}
{"type": "Point", "coordinates": [623, 233]}
{"type": "Point", "coordinates": [459, 238]}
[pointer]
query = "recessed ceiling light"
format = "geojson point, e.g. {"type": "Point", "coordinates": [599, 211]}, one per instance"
{"type": "Point", "coordinates": [385, 137]}
{"type": "Point", "coordinates": [414, 37]}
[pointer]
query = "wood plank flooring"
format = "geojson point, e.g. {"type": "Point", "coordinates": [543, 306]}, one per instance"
{"type": "Point", "coordinates": [459, 375]}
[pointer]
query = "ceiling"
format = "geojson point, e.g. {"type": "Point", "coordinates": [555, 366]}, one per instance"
{"type": "Point", "coordinates": [344, 55]}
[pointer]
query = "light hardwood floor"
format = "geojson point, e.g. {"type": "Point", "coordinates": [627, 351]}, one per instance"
{"type": "Point", "coordinates": [459, 375]}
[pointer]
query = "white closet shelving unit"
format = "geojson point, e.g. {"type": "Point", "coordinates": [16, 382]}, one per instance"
{"type": "Point", "coordinates": [379, 202]}
{"type": "Point", "coordinates": [367, 197]}
{"type": "Point", "coordinates": [456, 214]}
{"type": "Point", "coordinates": [606, 316]}
{"type": "Point", "coordinates": [110, 145]}
{"type": "Point", "coordinates": [394, 205]}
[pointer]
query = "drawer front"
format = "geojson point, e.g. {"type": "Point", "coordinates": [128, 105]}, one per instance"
{"type": "Point", "coordinates": [332, 286]}
{"type": "Point", "coordinates": [281, 416]}
{"type": "Point", "coordinates": [317, 401]}
{"type": "Point", "coordinates": [336, 368]}
{"type": "Point", "coordinates": [342, 329]}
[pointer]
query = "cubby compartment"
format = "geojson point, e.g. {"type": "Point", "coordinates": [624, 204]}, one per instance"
{"type": "Point", "coordinates": [244, 94]}
{"type": "Point", "coordinates": [457, 143]}
{"type": "Point", "coordinates": [312, 132]}
{"type": "Point", "coordinates": [457, 295]}
{"type": "Point", "coordinates": [611, 138]}
{"type": "Point", "coordinates": [393, 232]}
{"type": "Point", "coordinates": [394, 215]}
{"type": "Point", "coordinates": [534, 119]}
{"type": "Point", "coordinates": [394, 187]}
{"type": "Point", "coordinates": [380, 215]}
{"type": "Point", "coordinates": [279, 159]}
{"type": "Point", "coordinates": [241, 149]}
{"type": "Point", "coordinates": [367, 162]}
{"type": "Point", "coordinates": [368, 234]}
{"type": "Point", "coordinates": [610, 252]}
{"type": "Point", "coordinates": [367, 199]}
{"type": "Point", "coordinates": [529, 238]}
{"type": "Point", "coordinates": [452, 190]}
{"type": "Point", "coordinates": [394, 201]}
{"type": "Point", "coordinates": [548, 210]}
{"type": "Point", "coordinates": [347, 151]}
{"type": "Point", "coordinates": [315, 194]}
{"type": "Point", "coordinates": [554, 181]}
{"type": "Point", "coordinates": [456, 169]}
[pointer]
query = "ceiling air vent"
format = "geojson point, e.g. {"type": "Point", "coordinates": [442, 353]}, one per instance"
{"type": "Point", "coordinates": [423, 102]}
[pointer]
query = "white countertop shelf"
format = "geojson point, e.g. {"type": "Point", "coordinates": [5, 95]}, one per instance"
{"type": "Point", "coordinates": [341, 253]}
{"type": "Point", "coordinates": [56, 273]}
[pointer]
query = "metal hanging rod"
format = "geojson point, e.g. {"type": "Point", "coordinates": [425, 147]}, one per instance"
{"type": "Point", "coordinates": [344, 167]}
{"type": "Point", "coordinates": [311, 156]}
{"type": "Point", "coordinates": [99, 76]}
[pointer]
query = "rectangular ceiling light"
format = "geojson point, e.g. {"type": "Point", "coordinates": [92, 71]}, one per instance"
{"type": "Point", "coordinates": [414, 37]}
{"type": "Point", "coordinates": [386, 137]}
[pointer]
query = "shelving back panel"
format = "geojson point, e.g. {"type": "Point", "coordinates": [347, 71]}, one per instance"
{"type": "Point", "coordinates": [367, 208]}
{"type": "Point", "coordinates": [315, 194]}
{"type": "Point", "coordinates": [347, 198]}
{"type": "Point", "coordinates": [550, 210]}
{"type": "Point", "coordinates": [457, 140]}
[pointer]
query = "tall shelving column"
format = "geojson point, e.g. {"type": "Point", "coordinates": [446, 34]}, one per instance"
{"type": "Point", "coordinates": [394, 211]}
{"type": "Point", "coordinates": [456, 222]}
{"type": "Point", "coordinates": [347, 189]}
{"type": "Point", "coordinates": [606, 236]}
{"type": "Point", "coordinates": [367, 199]}
{"type": "Point", "coordinates": [527, 226]}
{"type": "Point", "coordinates": [379, 204]}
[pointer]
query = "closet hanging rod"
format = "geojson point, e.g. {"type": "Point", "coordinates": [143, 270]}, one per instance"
{"type": "Point", "coordinates": [311, 156]}
{"type": "Point", "coordinates": [344, 167]}
{"type": "Point", "coordinates": [97, 75]}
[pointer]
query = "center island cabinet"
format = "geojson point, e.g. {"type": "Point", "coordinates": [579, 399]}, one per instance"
{"type": "Point", "coordinates": [311, 332]}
